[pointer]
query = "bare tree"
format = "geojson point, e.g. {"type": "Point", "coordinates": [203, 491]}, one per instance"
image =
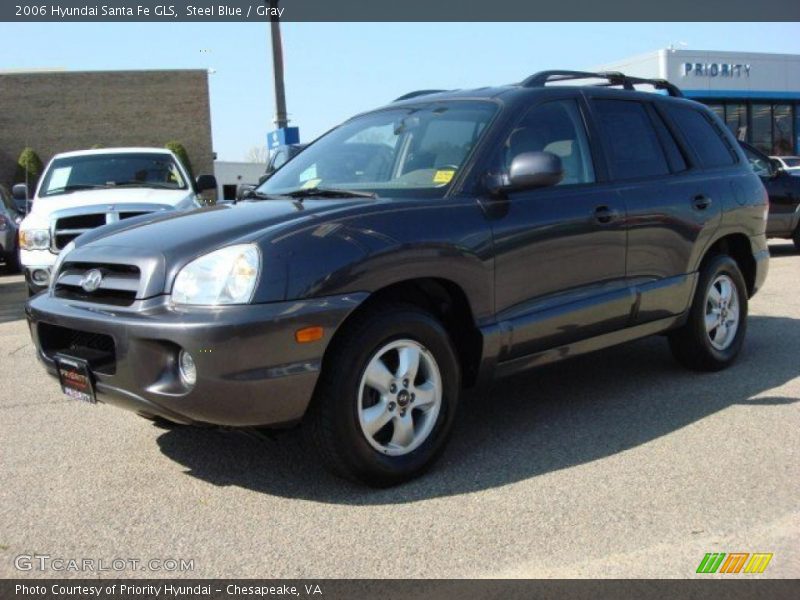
{"type": "Point", "coordinates": [257, 154]}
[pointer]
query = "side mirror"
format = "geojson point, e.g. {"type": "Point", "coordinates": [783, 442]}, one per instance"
{"type": "Point", "coordinates": [530, 170]}
{"type": "Point", "coordinates": [775, 166]}
{"type": "Point", "coordinates": [19, 192]}
{"type": "Point", "coordinates": [206, 182]}
{"type": "Point", "coordinates": [535, 169]}
{"type": "Point", "coordinates": [244, 191]}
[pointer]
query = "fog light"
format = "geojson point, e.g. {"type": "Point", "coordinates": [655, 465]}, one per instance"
{"type": "Point", "coordinates": [40, 276]}
{"type": "Point", "coordinates": [187, 368]}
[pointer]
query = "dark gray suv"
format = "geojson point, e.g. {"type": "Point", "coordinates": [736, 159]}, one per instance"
{"type": "Point", "coordinates": [422, 248]}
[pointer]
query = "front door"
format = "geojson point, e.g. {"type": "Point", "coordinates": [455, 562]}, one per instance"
{"type": "Point", "coordinates": [559, 251]}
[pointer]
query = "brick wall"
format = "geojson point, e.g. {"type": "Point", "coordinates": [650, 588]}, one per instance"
{"type": "Point", "coordinates": [59, 111]}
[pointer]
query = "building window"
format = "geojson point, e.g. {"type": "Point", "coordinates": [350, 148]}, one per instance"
{"type": "Point", "coordinates": [772, 128]}
{"type": "Point", "coordinates": [736, 120]}
{"type": "Point", "coordinates": [761, 119]}
{"type": "Point", "coordinates": [782, 142]}
{"type": "Point", "coordinates": [229, 192]}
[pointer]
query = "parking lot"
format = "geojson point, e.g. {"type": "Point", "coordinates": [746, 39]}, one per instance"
{"type": "Point", "coordinates": [617, 464]}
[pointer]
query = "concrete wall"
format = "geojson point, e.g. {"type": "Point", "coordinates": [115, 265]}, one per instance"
{"type": "Point", "coordinates": [59, 111]}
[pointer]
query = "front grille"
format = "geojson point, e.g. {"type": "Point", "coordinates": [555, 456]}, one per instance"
{"type": "Point", "coordinates": [128, 215]}
{"type": "Point", "coordinates": [118, 287]}
{"type": "Point", "coordinates": [98, 348]}
{"type": "Point", "coordinates": [67, 229]}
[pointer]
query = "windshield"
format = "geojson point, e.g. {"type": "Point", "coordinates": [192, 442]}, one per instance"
{"type": "Point", "coordinates": [791, 162]}
{"type": "Point", "coordinates": [101, 171]}
{"type": "Point", "coordinates": [397, 151]}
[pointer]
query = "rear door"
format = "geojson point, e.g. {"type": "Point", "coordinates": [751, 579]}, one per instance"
{"type": "Point", "coordinates": [673, 204]}
{"type": "Point", "coordinates": [559, 251]}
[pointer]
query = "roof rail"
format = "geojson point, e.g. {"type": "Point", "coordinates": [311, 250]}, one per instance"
{"type": "Point", "coordinates": [613, 78]}
{"type": "Point", "coordinates": [410, 95]}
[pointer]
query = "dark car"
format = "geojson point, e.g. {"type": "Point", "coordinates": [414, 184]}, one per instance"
{"type": "Point", "coordinates": [414, 251]}
{"type": "Point", "coordinates": [783, 188]}
{"type": "Point", "coordinates": [11, 215]}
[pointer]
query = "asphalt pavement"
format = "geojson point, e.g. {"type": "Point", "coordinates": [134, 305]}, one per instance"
{"type": "Point", "coordinates": [616, 464]}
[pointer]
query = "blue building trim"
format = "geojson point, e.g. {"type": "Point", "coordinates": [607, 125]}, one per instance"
{"type": "Point", "coordinates": [742, 94]}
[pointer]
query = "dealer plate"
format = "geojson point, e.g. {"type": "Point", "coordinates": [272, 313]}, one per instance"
{"type": "Point", "coordinates": [76, 378]}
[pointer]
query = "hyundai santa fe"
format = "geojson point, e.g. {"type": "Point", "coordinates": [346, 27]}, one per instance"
{"type": "Point", "coordinates": [416, 250]}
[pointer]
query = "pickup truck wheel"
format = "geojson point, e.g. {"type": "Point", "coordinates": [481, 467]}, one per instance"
{"type": "Point", "coordinates": [713, 335]}
{"type": "Point", "coordinates": [385, 401]}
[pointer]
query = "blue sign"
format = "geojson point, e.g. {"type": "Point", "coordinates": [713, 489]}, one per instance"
{"type": "Point", "coordinates": [283, 136]}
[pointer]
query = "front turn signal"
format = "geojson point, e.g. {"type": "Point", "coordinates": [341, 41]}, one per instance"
{"type": "Point", "coordinates": [308, 334]}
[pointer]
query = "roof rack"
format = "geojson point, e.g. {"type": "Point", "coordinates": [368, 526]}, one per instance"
{"type": "Point", "coordinates": [410, 95]}
{"type": "Point", "coordinates": [613, 78]}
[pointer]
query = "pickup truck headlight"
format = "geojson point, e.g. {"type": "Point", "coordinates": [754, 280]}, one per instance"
{"type": "Point", "coordinates": [225, 276]}
{"type": "Point", "coordinates": [34, 239]}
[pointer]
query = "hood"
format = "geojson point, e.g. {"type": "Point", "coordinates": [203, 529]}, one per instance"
{"type": "Point", "coordinates": [111, 196]}
{"type": "Point", "coordinates": [179, 236]}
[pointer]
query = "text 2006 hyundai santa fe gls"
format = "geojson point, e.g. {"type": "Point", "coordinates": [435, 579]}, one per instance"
{"type": "Point", "coordinates": [416, 250]}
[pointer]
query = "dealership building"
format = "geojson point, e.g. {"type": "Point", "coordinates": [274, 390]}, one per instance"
{"type": "Point", "coordinates": [756, 94]}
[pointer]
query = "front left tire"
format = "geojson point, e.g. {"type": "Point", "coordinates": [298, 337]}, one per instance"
{"type": "Point", "coordinates": [387, 395]}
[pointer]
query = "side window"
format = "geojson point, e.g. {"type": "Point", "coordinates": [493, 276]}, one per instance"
{"type": "Point", "coordinates": [633, 145]}
{"type": "Point", "coordinates": [675, 157]}
{"type": "Point", "coordinates": [759, 163]}
{"type": "Point", "coordinates": [555, 127]}
{"type": "Point", "coordinates": [702, 136]}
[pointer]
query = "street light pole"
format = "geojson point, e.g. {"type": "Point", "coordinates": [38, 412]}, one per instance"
{"type": "Point", "coordinates": [281, 119]}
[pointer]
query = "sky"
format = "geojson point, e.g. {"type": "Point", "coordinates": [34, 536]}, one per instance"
{"type": "Point", "coordinates": [335, 70]}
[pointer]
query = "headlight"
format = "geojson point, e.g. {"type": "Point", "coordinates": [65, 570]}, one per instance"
{"type": "Point", "coordinates": [59, 260]}
{"type": "Point", "coordinates": [34, 239]}
{"type": "Point", "coordinates": [225, 276]}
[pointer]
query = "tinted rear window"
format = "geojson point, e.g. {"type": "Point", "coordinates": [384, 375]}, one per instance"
{"type": "Point", "coordinates": [633, 146]}
{"type": "Point", "coordinates": [702, 136]}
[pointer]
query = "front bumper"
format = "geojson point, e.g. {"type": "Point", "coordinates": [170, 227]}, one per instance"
{"type": "Point", "coordinates": [250, 369]}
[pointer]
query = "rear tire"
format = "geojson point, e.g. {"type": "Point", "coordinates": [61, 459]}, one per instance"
{"type": "Point", "coordinates": [387, 395]}
{"type": "Point", "coordinates": [714, 333]}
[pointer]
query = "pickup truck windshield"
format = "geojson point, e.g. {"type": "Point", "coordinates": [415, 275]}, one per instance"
{"type": "Point", "coordinates": [395, 151]}
{"type": "Point", "coordinates": [103, 171]}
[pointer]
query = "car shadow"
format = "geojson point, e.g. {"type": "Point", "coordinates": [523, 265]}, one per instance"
{"type": "Point", "coordinates": [567, 414]}
{"type": "Point", "coordinates": [13, 295]}
{"type": "Point", "coordinates": [785, 249]}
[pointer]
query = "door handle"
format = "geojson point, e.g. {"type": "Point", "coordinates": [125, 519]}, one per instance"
{"type": "Point", "coordinates": [701, 202]}
{"type": "Point", "coordinates": [604, 214]}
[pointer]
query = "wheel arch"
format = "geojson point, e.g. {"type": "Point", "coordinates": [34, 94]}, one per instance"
{"type": "Point", "coordinates": [738, 247]}
{"type": "Point", "coordinates": [445, 300]}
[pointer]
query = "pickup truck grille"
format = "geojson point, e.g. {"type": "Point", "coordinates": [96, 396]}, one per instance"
{"type": "Point", "coordinates": [118, 286]}
{"type": "Point", "coordinates": [67, 227]}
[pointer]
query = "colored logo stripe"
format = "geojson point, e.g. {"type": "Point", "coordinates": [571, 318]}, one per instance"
{"type": "Point", "coordinates": [735, 561]}
{"type": "Point", "coordinates": [758, 563]}
{"type": "Point", "coordinates": [711, 562]}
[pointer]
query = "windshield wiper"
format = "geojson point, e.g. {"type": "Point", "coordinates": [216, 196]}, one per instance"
{"type": "Point", "coordinates": [74, 187]}
{"type": "Point", "coordinates": [145, 184]}
{"type": "Point", "coordinates": [329, 193]}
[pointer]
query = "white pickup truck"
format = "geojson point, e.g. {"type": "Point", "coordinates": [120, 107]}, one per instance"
{"type": "Point", "coordinates": [89, 188]}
